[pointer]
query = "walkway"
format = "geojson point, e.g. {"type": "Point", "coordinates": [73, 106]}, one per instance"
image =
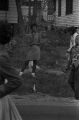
{"type": "Point", "coordinates": [45, 107]}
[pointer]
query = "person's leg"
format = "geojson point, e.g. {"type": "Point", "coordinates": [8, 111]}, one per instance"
{"type": "Point", "coordinates": [69, 61]}
{"type": "Point", "coordinates": [77, 83]}
{"type": "Point", "coordinates": [68, 65]}
{"type": "Point", "coordinates": [34, 66]}
{"type": "Point", "coordinates": [30, 65]}
{"type": "Point", "coordinates": [34, 76]}
{"type": "Point", "coordinates": [34, 81]}
{"type": "Point", "coordinates": [71, 80]}
{"type": "Point", "coordinates": [24, 65]}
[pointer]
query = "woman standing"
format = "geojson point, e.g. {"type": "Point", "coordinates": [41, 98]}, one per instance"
{"type": "Point", "coordinates": [73, 32]}
{"type": "Point", "coordinates": [74, 74]}
{"type": "Point", "coordinates": [33, 55]}
{"type": "Point", "coordinates": [34, 50]}
{"type": "Point", "coordinates": [9, 73]}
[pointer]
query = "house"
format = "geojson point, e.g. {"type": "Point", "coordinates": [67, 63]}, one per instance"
{"type": "Point", "coordinates": [8, 11]}
{"type": "Point", "coordinates": [31, 9]}
{"type": "Point", "coordinates": [67, 13]}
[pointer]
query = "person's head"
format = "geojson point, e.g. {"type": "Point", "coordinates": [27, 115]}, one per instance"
{"type": "Point", "coordinates": [77, 40]}
{"type": "Point", "coordinates": [5, 36]}
{"type": "Point", "coordinates": [72, 30]}
{"type": "Point", "coordinates": [34, 27]}
{"type": "Point", "coordinates": [77, 30]}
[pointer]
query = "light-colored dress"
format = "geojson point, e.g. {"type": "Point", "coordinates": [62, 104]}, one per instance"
{"type": "Point", "coordinates": [72, 40]}
{"type": "Point", "coordinates": [72, 44]}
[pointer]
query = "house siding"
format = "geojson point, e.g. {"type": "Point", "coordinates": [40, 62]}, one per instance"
{"type": "Point", "coordinates": [67, 20]}
{"type": "Point", "coordinates": [11, 15]}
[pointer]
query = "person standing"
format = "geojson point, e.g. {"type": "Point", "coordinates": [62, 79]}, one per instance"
{"type": "Point", "coordinates": [33, 55]}
{"type": "Point", "coordinates": [74, 73]}
{"type": "Point", "coordinates": [7, 72]}
{"type": "Point", "coordinates": [73, 32]}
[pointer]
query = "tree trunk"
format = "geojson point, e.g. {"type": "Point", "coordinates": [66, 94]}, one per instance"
{"type": "Point", "coordinates": [20, 17]}
{"type": "Point", "coordinates": [29, 23]}
{"type": "Point", "coordinates": [35, 10]}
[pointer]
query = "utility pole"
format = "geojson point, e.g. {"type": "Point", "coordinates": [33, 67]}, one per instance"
{"type": "Point", "coordinates": [20, 17]}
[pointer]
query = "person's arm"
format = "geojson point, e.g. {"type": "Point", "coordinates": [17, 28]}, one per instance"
{"type": "Point", "coordinates": [13, 79]}
{"type": "Point", "coordinates": [71, 44]}
{"type": "Point", "coordinates": [24, 67]}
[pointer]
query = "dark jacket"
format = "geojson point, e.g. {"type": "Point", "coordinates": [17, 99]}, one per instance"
{"type": "Point", "coordinates": [7, 72]}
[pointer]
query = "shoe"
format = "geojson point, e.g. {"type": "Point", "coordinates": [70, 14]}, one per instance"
{"type": "Point", "coordinates": [34, 89]}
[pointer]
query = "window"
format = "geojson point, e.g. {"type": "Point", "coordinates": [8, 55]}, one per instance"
{"type": "Point", "coordinates": [59, 8]}
{"type": "Point", "coordinates": [54, 2]}
{"type": "Point", "coordinates": [50, 7]}
{"type": "Point", "coordinates": [69, 7]}
{"type": "Point", "coordinates": [4, 4]}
